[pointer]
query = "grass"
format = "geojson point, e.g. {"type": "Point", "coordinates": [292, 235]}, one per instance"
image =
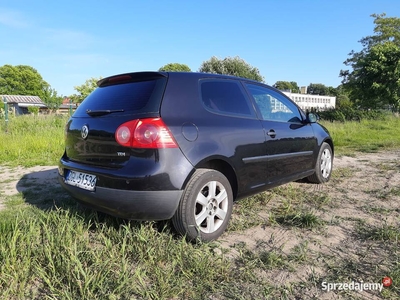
{"type": "Point", "coordinates": [32, 140]}
{"type": "Point", "coordinates": [385, 194]}
{"type": "Point", "coordinates": [65, 254]}
{"type": "Point", "coordinates": [341, 174]}
{"type": "Point", "coordinates": [301, 219]}
{"type": "Point", "coordinates": [384, 232]}
{"type": "Point", "coordinates": [53, 249]}
{"type": "Point", "coordinates": [246, 212]}
{"type": "Point", "coordinates": [292, 211]}
{"type": "Point", "coordinates": [39, 140]}
{"type": "Point", "coordinates": [364, 136]}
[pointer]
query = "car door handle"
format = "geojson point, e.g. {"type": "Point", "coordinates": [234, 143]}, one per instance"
{"type": "Point", "coordinates": [271, 133]}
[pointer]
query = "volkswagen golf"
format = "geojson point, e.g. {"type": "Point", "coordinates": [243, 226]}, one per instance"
{"type": "Point", "coordinates": [184, 146]}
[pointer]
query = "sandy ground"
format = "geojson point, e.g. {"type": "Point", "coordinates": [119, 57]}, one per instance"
{"type": "Point", "coordinates": [16, 180]}
{"type": "Point", "coordinates": [365, 195]}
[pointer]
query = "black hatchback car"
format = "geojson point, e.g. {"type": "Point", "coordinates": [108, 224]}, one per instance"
{"type": "Point", "coordinates": [158, 145]}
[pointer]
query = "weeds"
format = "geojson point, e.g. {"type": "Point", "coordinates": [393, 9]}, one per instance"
{"type": "Point", "coordinates": [385, 232]}
{"type": "Point", "coordinates": [67, 255]}
{"type": "Point", "coordinates": [32, 140]}
{"type": "Point", "coordinates": [246, 212]}
{"type": "Point", "coordinates": [342, 174]}
{"type": "Point", "coordinates": [364, 136]}
{"type": "Point", "coordinates": [384, 194]}
{"type": "Point", "coordinates": [301, 219]}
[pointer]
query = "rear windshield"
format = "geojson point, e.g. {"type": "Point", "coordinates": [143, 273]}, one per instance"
{"type": "Point", "coordinates": [133, 97]}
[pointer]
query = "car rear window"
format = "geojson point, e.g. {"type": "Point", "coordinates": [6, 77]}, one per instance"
{"type": "Point", "coordinates": [225, 97]}
{"type": "Point", "coordinates": [132, 97]}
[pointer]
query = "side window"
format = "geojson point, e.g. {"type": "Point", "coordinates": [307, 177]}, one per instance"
{"type": "Point", "coordinates": [225, 97]}
{"type": "Point", "coordinates": [273, 106]}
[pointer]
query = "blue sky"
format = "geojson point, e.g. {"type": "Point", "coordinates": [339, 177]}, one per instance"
{"type": "Point", "coordinates": [68, 42]}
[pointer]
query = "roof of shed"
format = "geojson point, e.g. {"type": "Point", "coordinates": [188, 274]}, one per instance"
{"type": "Point", "coordinates": [21, 99]}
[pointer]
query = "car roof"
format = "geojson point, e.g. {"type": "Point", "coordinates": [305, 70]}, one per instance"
{"type": "Point", "coordinates": [149, 74]}
{"type": "Point", "coordinates": [207, 75]}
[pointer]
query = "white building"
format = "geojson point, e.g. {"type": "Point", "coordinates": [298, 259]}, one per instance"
{"type": "Point", "coordinates": [306, 101]}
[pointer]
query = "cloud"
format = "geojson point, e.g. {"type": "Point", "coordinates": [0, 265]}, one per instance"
{"type": "Point", "coordinates": [13, 19]}
{"type": "Point", "coordinates": [69, 39]}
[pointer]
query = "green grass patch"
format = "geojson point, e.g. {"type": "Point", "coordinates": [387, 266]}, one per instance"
{"type": "Point", "coordinates": [260, 258]}
{"type": "Point", "coordinates": [265, 257]}
{"type": "Point", "coordinates": [296, 207]}
{"type": "Point", "coordinates": [342, 174]}
{"type": "Point", "coordinates": [384, 232]}
{"type": "Point", "coordinates": [364, 136]}
{"type": "Point", "coordinates": [393, 291]}
{"type": "Point", "coordinates": [39, 140]}
{"type": "Point", "coordinates": [292, 206]}
{"type": "Point", "coordinates": [384, 194]}
{"type": "Point", "coordinates": [65, 254]}
{"type": "Point", "coordinates": [302, 219]}
{"type": "Point", "coordinates": [377, 210]}
{"type": "Point", "coordinates": [384, 167]}
{"type": "Point", "coordinates": [246, 212]}
{"type": "Point", "coordinates": [32, 140]}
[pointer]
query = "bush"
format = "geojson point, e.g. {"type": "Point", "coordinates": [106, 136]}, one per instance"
{"type": "Point", "coordinates": [351, 114]}
{"type": "Point", "coordinates": [33, 110]}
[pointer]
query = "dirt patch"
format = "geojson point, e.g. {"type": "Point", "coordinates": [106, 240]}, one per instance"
{"type": "Point", "coordinates": [364, 193]}
{"type": "Point", "coordinates": [18, 180]}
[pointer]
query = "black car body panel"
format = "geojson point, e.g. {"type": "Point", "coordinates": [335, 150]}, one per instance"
{"type": "Point", "coordinates": [140, 183]}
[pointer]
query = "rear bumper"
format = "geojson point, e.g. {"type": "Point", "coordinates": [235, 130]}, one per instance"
{"type": "Point", "coordinates": [128, 204]}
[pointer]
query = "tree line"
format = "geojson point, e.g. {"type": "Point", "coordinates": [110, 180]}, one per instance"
{"type": "Point", "coordinates": [372, 80]}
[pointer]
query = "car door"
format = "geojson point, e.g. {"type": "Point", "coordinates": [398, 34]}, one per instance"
{"type": "Point", "coordinates": [289, 140]}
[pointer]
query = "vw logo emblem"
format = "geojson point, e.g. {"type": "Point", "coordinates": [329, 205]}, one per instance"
{"type": "Point", "coordinates": [84, 131]}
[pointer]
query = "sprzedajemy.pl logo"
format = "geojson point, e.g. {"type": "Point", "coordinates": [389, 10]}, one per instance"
{"type": "Point", "coordinates": [356, 286]}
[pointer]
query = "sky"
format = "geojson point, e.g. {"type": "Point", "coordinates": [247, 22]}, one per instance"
{"type": "Point", "coordinates": [68, 42]}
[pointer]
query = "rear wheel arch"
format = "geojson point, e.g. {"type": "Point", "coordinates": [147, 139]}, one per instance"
{"type": "Point", "coordinates": [219, 165]}
{"type": "Point", "coordinates": [225, 168]}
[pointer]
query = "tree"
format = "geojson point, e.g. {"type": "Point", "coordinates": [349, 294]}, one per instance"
{"type": "Point", "coordinates": [231, 66]}
{"type": "Point", "coordinates": [286, 85]}
{"type": "Point", "coordinates": [84, 90]}
{"type": "Point", "coordinates": [21, 80]}
{"type": "Point", "coordinates": [342, 98]}
{"type": "Point", "coordinates": [317, 89]}
{"type": "Point", "coordinates": [174, 67]}
{"type": "Point", "coordinates": [386, 29]}
{"type": "Point", "coordinates": [374, 81]}
{"type": "Point", "coordinates": [52, 99]}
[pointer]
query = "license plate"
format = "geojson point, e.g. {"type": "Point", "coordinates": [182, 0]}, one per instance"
{"type": "Point", "coordinates": [81, 180]}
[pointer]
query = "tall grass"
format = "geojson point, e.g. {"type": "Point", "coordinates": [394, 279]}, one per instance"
{"type": "Point", "coordinates": [39, 140]}
{"type": "Point", "coordinates": [32, 140]}
{"type": "Point", "coordinates": [64, 254]}
{"type": "Point", "coordinates": [366, 135]}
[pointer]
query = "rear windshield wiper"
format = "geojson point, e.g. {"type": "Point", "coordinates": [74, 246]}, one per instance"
{"type": "Point", "coordinates": [102, 112]}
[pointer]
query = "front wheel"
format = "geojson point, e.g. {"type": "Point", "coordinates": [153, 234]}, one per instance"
{"type": "Point", "coordinates": [323, 166]}
{"type": "Point", "coordinates": [205, 207]}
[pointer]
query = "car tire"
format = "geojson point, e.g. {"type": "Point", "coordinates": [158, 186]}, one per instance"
{"type": "Point", "coordinates": [323, 166]}
{"type": "Point", "coordinates": [205, 207]}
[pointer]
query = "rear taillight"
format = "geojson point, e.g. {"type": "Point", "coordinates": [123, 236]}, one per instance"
{"type": "Point", "coordinates": [145, 133]}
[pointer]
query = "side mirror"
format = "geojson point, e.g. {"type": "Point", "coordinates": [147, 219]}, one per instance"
{"type": "Point", "coordinates": [312, 118]}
